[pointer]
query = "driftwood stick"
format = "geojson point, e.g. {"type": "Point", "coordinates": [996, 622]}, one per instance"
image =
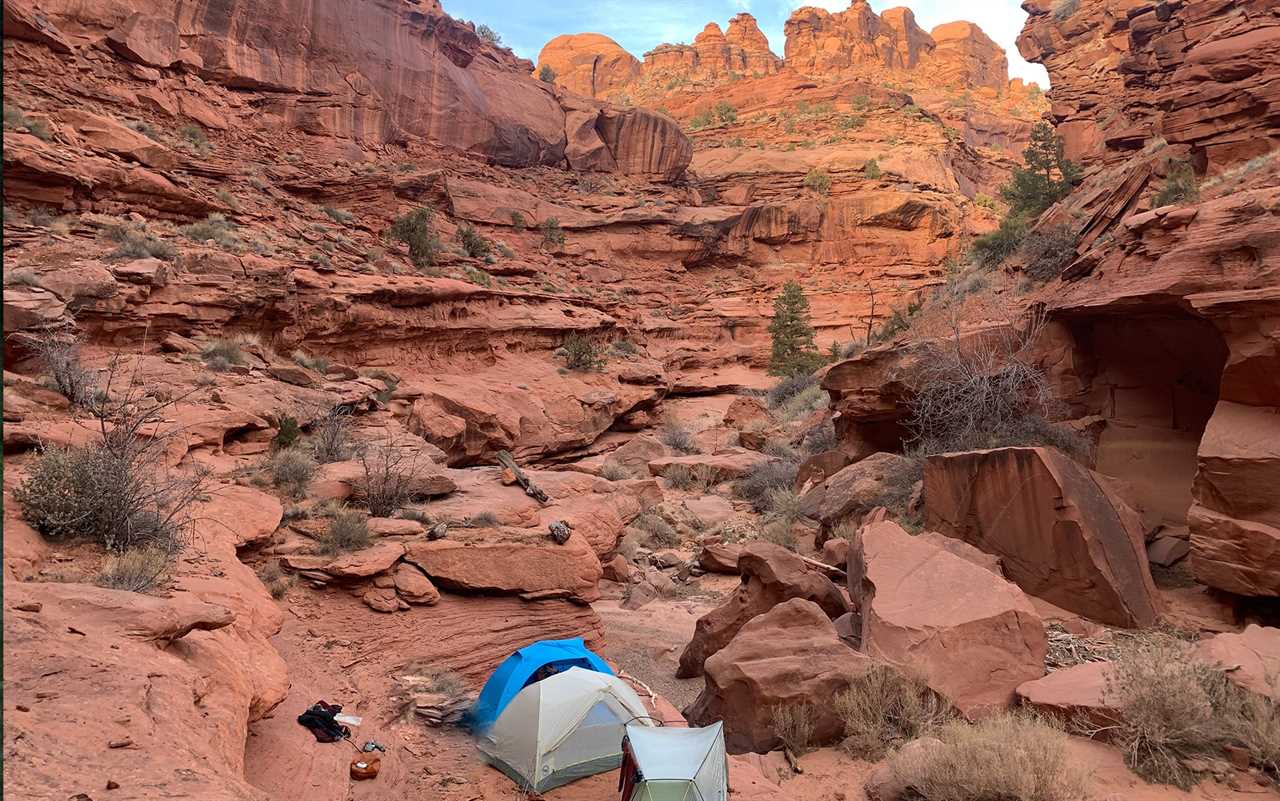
{"type": "Point", "coordinates": [823, 566]}
{"type": "Point", "coordinates": [508, 461]}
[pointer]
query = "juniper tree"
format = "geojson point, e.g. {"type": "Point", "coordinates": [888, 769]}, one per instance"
{"type": "Point", "coordinates": [1047, 177]}
{"type": "Point", "coordinates": [794, 351]}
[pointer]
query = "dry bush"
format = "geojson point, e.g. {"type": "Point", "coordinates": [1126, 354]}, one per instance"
{"type": "Point", "coordinates": [390, 473]}
{"type": "Point", "coordinates": [135, 571]}
{"type": "Point", "coordinates": [61, 357]}
{"type": "Point", "coordinates": [763, 477]}
{"type": "Point", "coordinates": [220, 354]}
{"type": "Point", "coordinates": [331, 435]}
{"type": "Point", "coordinates": [780, 449]}
{"type": "Point", "coordinates": [684, 477]}
{"type": "Point", "coordinates": [784, 507]}
{"type": "Point", "coordinates": [984, 391]}
{"type": "Point", "coordinates": [1007, 757]}
{"type": "Point", "coordinates": [582, 353]}
{"type": "Point", "coordinates": [348, 531]}
{"type": "Point", "coordinates": [1174, 707]}
{"type": "Point", "coordinates": [291, 471]}
{"type": "Point", "coordinates": [661, 533]}
{"type": "Point", "coordinates": [1049, 251]}
{"type": "Point", "coordinates": [677, 436]}
{"type": "Point", "coordinates": [275, 580]}
{"type": "Point", "coordinates": [820, 439]}
{"type": "Point", "coordinates": [118, 491]}
{"type": "Point", "coordinates": [614, 472]}
{"type": "Point", "coordinates": [793, 725]}
{"type": "Point", "coordinates": [777, 532]}
{"type": "Point", "coordinates": [884, 709]}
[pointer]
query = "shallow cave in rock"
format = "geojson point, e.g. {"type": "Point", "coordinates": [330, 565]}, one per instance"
{"type": "Point", "coordinates": [1154, 378]}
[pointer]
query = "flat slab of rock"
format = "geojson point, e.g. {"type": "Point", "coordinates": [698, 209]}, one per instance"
{"type": "Point", "coordinates": [1060, 534]}
{"type": "Point", "coordinates": [715, 468]}
{"type": "Point", "coordinates": [788, 656]}
{"type": "Point", "coordinates": [1251, 658]}
{"type": "Point", "coordinates": [971, 635]}
{"type": "Point", "coordinates": [720, 557]}
{"type": "Point", "coordinates": [413, 585]}
{"type": "Point", "coordinates": [510, 562]}
{"type": "Point", "coordinates": [710, 510]}
{"type": "Point", "coordinates": [770, 575]}
{"type": "Point", "coordinates": [1071, 692]}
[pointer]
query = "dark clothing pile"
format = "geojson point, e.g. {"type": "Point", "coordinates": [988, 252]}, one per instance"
{"type": "Point", "coordinates": [319, 719]}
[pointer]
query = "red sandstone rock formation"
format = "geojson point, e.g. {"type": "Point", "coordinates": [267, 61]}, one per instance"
{"type": "Point", "coordinates": [589, 63]}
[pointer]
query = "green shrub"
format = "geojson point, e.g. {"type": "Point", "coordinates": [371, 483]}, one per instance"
{"type": "Point", "coordinates": [348, 531]}
{"type": "Point", "coordinates": [552, 233]}
{"type": "Point", "coordinates": [872, 170]}
{"type": "Point", "coordinates": [193, 136]}
{"type": "Point", "coordinates": [1179, 186]}
{"type": "Point", "coordinates": [477, 276]}
{"type": "Point", "coordinates": [582, 354]}
{"type": "Point", "coordinates": [517, 221]}
{"type": "Point", "coordinates": [135, 242]}
{"type": "Point", "coordinates": [818, 180]}
{"type": "Point", "coordinates": [547, 74]}
{"type": "Point", "coordinates": [725, 112]}
{"type": "Point", "coordinates": [994, 248]}
{"type": "Point", "coordinates": [851, 121]}
{"type": "Point", "coordinates": [701, 119]}
{"type": "Point", "coordinates": [414, 229]}
{"type": "Point", "coordinates": [214, 227]}
{"type": "Point", "coordinates": [475, 245]}
{"type": "Point", "coordinates": [1045, 177]}
{"type": "Point", "coordinates": [291, 471]}
{"type": "Point", "coordinates": [489, 35]}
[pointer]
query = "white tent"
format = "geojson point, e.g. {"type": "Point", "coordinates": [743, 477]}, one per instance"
{"type": "Point", "coordinates": [563, 728]}
{"type": "Point", "coordinates": [678, 764]}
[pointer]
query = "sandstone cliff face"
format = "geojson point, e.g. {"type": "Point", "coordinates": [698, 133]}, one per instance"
{"type": "Point", "coordinates": [1195, 74]}
{"type": "Point", "coordinates": [383, 71]}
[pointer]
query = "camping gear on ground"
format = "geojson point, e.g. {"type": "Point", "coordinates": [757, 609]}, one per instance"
{"type": "Point", "coordinates": [519, 669]}
{"type": "Point", "coordinates": [674, 764]}
{"type": "Point", "coordinates": [365, 766]}
{"type": "Point", "coordinates": [563, 728]}
{"type": "Point", "coordinates": [349, 720]}
{"type": "Point", "coordinates": [370, 745]}
{"type": "Point", "coordinates": [321, 720]}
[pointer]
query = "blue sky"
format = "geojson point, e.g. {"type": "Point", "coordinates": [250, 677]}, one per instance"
{"type": "Point", "coordinates": [640, 25]}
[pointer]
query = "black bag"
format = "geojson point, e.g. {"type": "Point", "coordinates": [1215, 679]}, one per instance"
{"type": "Point", "coordinates": [319, 719]}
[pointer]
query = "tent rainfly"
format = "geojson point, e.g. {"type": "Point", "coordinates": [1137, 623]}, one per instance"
{"type": "Point", "coordinates": [518, 670]}
{"type": "Point", "coordinates": [563, 728]}
{"type": "Point", "coordinates": [673, 764]}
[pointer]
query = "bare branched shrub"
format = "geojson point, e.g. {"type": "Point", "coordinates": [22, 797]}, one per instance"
{"type": "Point", "coordinates": [1049, 251]}
{"type": "Point", "coordinates": [118, 491]}
{"type": "Point", "coordinates": [61, 357]}
{"type": "Point", "coordinates": [1006, 756]}
{"type": "Point", "coordinates": [983, 391]}
{"type": "Point", "coordinates": [764, 477]}
{"type": "Point", "coordinates": [793, 725]}
{"type": "Point", "coordinates": [291, 471]}
{"type": "Point", "coordinates": [135, 571]}
{"type": "Point", "coordinates": [677, 436]}
{"type": "Point", "coordinates": [390, 473]}
{"type": "Point", "coordinates": [331, 435]}
{"type": "Point", "coordinates": [348, 531]}
{"type": "Point", "coordinates": [884, 709]}
{"type": "Point", "coordinates": [1174, 708]}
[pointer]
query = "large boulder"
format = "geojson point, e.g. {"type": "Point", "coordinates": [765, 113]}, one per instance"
{"type": "Point", "coordinates": [510, 562]}
{"type": "Point", "coordinates": [590, 64]}
{"type": "Point", "coordinates": [1251, 658]}
{"type": "Point", "coordinates": [770, 575]}
{"type": "Point", "coordinates": [856, 489]}
{"type": "Point", "coordinates": [971, 635]}
{"type": "Point", "coordinates": [1073, 693]}
{"type": "Point", "coordinates": [1060, 533]}
{"type": "Point", "coordinates": [791, 657]}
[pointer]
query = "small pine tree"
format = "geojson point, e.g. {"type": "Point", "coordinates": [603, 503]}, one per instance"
{"type": "Point", "coordinates": [547, 74]}
{"type": "Point", "coordinates": [794, 351]}
{"type": "Point", "coordinates": [1047, 177]}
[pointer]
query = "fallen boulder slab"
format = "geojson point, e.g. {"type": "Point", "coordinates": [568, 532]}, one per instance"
{"type": "Point", "coordinates": [1072, 693]}
{"type": "Point", "coordinates": [1061, 535]}
{"type": "Point", "coordinates": [1251, 658]}
{"type": "Point", "coordinates": [856, 489]}
{"type": "Point", "coordinates": [770, 575]}
{"type": "Point", "coordinates": [713, 468]}
{"type": "Point", "coordinates": [720, 557]}
{"type": "Point", "coordinates": [790, 656]}
{"type": "Point", "coordinates": [514, 562]}
{"type": "Point", "coordinates": [971, 635]}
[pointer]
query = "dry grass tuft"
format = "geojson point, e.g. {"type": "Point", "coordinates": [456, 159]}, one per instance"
{"type": "Point", "coordinates": [348, 531]}
{"type": "Point", "coordinates": [793, 725]}
{"type": "Point", "coordinates": [135, 571]}
{"type": "Point", "coordinates": [1008, 756]}
{"type": "Point", "coordinates": [884, 709]}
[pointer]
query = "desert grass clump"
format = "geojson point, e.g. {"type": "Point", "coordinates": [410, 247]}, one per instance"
{"type": "Point", "coordinates": [348, 531]}
{"type": "Point", "coordinates": [133, 571]}
{"type": "Point", "coordinates": [215, 228]}
{"type": "Point", "coordinates": [292, 470]}
{"type": "Point", "coordinates": [275, 580]}
{"type": "Point", "coordinates": [21, 277]}
{"type": "Point", "coordinates": [338, 215]}
{"type": "Point", "coordinates": [136, 242]}
{"type": "Point", "coordinates": [677, 436]}
{"type": "Point", "coordinates": [614, 472]}
{"type": "Point", "coordinates": [61, 358]}
{"type": "Point", "coordinates": [818, 180]}
{"type": "Point", "coordinates": [884, 709]}
{"type": "Point", "coordinates": [793, 725]}
{"type": "Point", "coordinates": [1175, 708]}
{"type": "Point", "coordinates": [1006, 756]}
{"type": "Point", "coordinates": [789, 387]}
{"type": "Point", "coordinates": [318, 363]}
{"type": "Point", "coordinates": [220, 354]}
{"type": "Point", "coordinates": [763, 478]}
{"type": "Point", "coordinates": [195, 139]}
{"type": "Point", "coordinates": [1180, 185]}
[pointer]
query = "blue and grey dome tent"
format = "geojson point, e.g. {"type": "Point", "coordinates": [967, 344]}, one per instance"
{"type": "Point", "coordinates": [517, 671]}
